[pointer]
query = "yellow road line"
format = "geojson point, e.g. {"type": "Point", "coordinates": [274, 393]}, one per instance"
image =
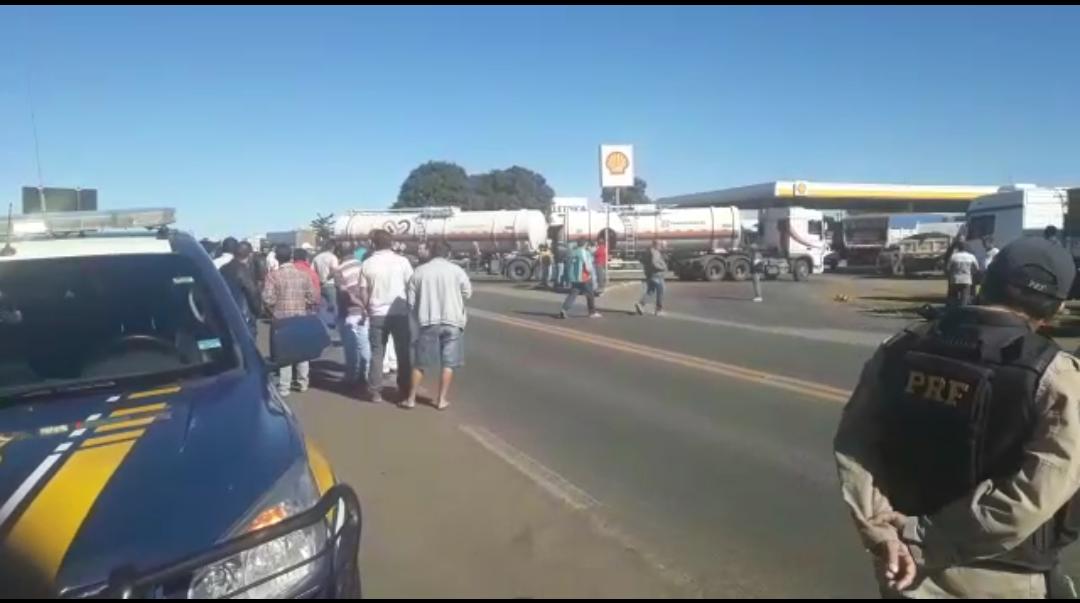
{"type": "Point", "coordinates": [111, 438]}
{"type": "Point", "coordinates": [808, 388]}
{"type": "Point", "coordinates": [45, 531]}
{"type": "Point", "coordinates": [124, 425]}
{"type": "Point", "coordinates": [134, 410]}
{"type": "Point", "coordinates": [162, 391]}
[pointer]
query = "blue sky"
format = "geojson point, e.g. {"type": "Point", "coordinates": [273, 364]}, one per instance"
{"type": "Point", "coordinates": [249, 119]}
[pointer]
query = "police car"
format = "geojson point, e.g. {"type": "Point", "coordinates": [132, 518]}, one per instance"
{"type": "Point", "coordinates": [143, 452]}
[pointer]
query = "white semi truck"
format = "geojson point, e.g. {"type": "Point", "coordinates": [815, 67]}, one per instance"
{"type": "Point", "coordinates": [701, 243]}
{"type": "Point", "coordinates": [704, 242]}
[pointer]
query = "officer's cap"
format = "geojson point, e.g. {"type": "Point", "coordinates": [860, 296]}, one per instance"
{"type": "Point", "coordinates": [1033, 263]}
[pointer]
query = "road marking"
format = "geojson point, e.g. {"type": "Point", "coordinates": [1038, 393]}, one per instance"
{"type": "Point", "coordinates": [808, 388]}
{"type": "Point", "coordinates": [579, 500]}
{"type": "Point", "coordinates": [842, 336]}
{"type": "Point", "coordinates": [551, 482]}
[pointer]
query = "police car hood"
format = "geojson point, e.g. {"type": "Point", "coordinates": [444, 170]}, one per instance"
{"type": "Point", "coordinates": [97, 482]}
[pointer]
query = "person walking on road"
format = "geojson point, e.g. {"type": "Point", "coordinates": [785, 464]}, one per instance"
{"type": "Point", "coordinates": [655, 267]}
{"type": "Point", "coordinates": [325, 265]}
{"type": "Point", "coordinates": [961, 270]}
{"type": "Point", "coordinates": [386, 277]}
{"type": "Point", "coordinates": [959, 450]}
{"type": "Point", "coordinates": [546, 259]}
{"type": "Point", "coordinates": [352, 304]}
{"type": "Point", "coordinates": [581, 272]}
{"type": "Point", "coordinates": [437, 294]}
{"type": "Point", "coordinates": [560, 255]}
{"type": "Point", "coordinates": [600, 259]}
{"type": "Point", "coordinates": [757, 268]}
{"type": "Point", "coordinates": [240, 277]}
{"type": "Point", "coordinates": [289, 292]}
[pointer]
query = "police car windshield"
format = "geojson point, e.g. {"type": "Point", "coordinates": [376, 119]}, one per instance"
{"type": "Point", "coordinates": [92, 321]}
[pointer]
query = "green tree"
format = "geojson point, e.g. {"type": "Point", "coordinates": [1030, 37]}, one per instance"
{"type": "Point", "coordinates": [324, 228]}
{"type": "Point", "coordinates": [435, 183]}
{"type": "Point", "coordinates": [634, 195]}
{"type": "Point", "coordinates": [512, 188]}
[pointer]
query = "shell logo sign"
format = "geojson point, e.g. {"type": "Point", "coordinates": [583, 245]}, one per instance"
{"type": "Point", "coordinates": [616, 165]}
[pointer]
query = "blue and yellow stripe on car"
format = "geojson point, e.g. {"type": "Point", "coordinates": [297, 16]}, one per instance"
{"type": "Point", "coordinates": [42, 534]}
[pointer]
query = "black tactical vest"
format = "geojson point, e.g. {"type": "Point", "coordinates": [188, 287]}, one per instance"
{"type": "Point", "coordinates": [960, 407]}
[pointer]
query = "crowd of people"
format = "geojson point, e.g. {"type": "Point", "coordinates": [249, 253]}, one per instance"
{"type": "Point", "coordinates": [582, 269]}
{"type": "Point", "coordinates": [389, 317]}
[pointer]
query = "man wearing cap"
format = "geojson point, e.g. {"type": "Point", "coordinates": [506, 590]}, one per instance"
{"type": "Point", "coordinates": [959, 450]}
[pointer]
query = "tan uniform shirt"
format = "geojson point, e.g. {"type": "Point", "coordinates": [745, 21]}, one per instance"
{"type": "Point", "coordinates": [994, 518]}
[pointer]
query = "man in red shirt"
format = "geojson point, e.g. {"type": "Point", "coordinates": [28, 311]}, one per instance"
{"type": "Point", "coordinates": [300, 260]}
{"type": "Point", "coordinates": [600, 259]}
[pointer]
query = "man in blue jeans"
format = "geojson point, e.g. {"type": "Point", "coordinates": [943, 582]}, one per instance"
{"type": "Point", "coordinates": [655, 267]}
{"type": "Point", "coordinates": [437, 293]}
{"type": "Point", "coordinates": [352, 320]}
{"type": "Point", "coordinates": [581, 271]}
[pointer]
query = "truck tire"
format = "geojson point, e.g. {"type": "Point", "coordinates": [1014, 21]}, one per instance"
{"type": "Point", "coordinates": [801, 269]}
{"type": "Point", "coordinates": [739, 269]}
{"type": "Point", "coordinates": [685, 274]}
{"type": "Point", "coordinates": [519, 270]}
{"type": "Point", "coordinates": [715, 270]}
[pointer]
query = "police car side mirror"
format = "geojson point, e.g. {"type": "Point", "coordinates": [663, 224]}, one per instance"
{"type": "Point", "coordinates": [297, 339]}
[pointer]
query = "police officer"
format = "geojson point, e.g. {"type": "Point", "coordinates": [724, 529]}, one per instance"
{"type": "Point", "coordinates": [959, 451]}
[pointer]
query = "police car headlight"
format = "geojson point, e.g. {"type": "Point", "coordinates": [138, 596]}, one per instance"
{"type": "Point", "coordinates": [293, 493]}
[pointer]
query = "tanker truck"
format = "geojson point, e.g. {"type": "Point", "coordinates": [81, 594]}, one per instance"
{"type": "Point", "coordinates": [705, 243]}
{"type": "Point", "coordinates": [504, 241]}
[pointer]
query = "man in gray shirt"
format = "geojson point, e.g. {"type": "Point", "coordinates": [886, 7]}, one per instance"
{"type": "Point", "coordinates": [437, 293]}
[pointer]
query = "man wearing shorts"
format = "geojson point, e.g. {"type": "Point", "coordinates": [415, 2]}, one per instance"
{"type": "Point", "coordinates": [437, 293]}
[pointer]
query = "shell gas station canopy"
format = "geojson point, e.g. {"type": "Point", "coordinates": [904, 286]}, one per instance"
{"type": "Point", "coordinates": [848, 196]}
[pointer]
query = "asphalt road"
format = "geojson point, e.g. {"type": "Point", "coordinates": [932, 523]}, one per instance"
{"type": "Point", "coordinates": [699, 441]}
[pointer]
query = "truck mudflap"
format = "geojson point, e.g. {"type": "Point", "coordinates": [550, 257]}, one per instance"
{"type": "Point", "coordinates": [339, 579]}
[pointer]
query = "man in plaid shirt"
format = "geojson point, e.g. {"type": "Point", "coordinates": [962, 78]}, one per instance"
{"type": "Point", "coordinates": [289, 292]}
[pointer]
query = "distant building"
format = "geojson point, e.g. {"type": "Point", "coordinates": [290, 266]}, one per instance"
{"type": "Point", "coordinates": [296, 238]}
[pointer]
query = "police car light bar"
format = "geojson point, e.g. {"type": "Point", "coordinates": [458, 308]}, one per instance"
{"type": "Point", "coordinates": [73, 222]}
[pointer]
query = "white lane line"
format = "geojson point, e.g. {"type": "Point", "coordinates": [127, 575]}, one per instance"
{"type": "Point", "coordinates": [25, 487]}
{"type": "Point", "coordinates": [548, 480]}
{"type": "Point", "coordinates": [63, 446]}
{"type": "Point", "coordinates": [78, 432]}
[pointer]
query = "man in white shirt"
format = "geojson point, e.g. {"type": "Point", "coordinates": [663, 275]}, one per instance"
{"type": "Point", "coordinates": [961, 269]}
{"type": "Point", "coordinates": [325, 264]}
{"type": "Point", "coordinates": [386, 277]}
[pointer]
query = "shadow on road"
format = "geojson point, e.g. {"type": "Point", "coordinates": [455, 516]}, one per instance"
{"type": "Point", "coordinates": [914, 299]}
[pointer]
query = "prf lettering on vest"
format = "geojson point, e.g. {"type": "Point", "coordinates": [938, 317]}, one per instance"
{"type": "Point", "coordinates": [936, 388]}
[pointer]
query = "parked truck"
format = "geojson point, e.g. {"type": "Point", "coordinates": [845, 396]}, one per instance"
{"type": "Point", "coordinates": [503, 242]}
{"type": "Point", "coordinates": [706, 243]}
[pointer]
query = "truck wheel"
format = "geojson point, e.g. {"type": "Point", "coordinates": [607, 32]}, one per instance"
{"type": "Point", "coordinates": [801, 270]}
{"type": "Point", "coordinates": [518, 270]}
{"type": "Point", "coordinates": [685, 274]}
{"type": "Point", "coordinates": [715, 270]}
{"type": "Point", "coordinates": [739, 270]}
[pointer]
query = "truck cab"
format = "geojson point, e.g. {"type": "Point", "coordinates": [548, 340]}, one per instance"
{"type": "Point", "coordinates": [796, 234]}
